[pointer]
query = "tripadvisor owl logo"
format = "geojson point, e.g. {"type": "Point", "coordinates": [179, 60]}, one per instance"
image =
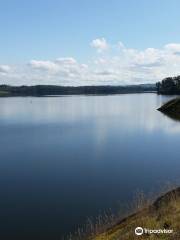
{"type": "Point", "coordinates": [139, 231]}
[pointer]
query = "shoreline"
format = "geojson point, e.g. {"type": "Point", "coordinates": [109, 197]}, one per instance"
{"type": "Point", "coordinates": [162, 214]}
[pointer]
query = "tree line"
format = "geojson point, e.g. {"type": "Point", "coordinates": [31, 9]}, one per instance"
{"type": "Point", "coordinates": [43, 90]}
{"type": "Point", "coordinates": [169, 85]}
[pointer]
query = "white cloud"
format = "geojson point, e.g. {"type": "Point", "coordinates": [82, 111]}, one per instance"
{"type": "Point", "coordinates": [100, 44]}
{"type": "Point", "coordinates": [4, 68]}
{"type": "Point", "coordinates": [120, 65]}
{"type": "Point", "coordinates": [43, 65]}
{"type": "Point", "coordinates": [68, 60]}
{"type": "Point", "coordinates": [173, 47]}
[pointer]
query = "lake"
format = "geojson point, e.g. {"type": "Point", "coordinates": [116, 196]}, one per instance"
{"type": "Point", "coordinates": [63, 159]}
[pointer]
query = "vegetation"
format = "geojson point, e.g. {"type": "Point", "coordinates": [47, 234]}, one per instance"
{"type": "Point", "coordinates": [43, 90]}
{"type": "Point", "coordinates": [170, 85]}
{"type": "Point", "coordinates": [163, 213]}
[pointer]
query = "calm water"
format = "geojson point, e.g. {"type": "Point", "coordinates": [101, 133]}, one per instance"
{"type": "Point", "coordinates": [63, 159]}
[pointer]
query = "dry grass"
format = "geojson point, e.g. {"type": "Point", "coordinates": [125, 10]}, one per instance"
{"type": "Point", "coordinates": [163, 213]}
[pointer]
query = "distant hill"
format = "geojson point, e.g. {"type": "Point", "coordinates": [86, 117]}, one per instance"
{"type": "Point", "coordinates": [44, 90]}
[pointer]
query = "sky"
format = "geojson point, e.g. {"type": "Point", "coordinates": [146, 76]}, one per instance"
{"type": "Point", "coordinates": [88, 42]}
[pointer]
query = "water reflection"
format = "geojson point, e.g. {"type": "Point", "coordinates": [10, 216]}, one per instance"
{"type": "Point", "coordinates": [132, 111]}
{"type": "Point", "coordinates": [66, 158]}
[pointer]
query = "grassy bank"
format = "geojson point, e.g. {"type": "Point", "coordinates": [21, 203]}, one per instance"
{"type": "Point", "coordinates": [164, 213]}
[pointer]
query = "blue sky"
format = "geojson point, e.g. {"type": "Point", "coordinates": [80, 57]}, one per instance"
{"type": "Point", "coordinates": [45, 30]}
